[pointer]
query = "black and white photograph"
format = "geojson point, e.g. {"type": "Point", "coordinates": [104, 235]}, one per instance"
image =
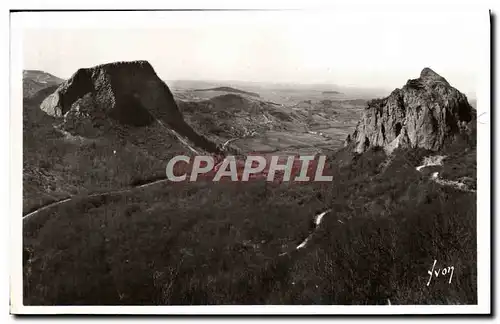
{"type": "Point", "coordinates": [308, 160]}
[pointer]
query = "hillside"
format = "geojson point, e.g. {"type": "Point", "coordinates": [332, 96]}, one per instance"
{"type": "Point", "coordinates": [35, 80]}
{"type": "Point", "coordinates": [122, 235]}
{"type": "Point", "coordinates": [231, 115]}
{"type": "Point", "coordinates": [258, 124]}
{"type": "Point", "coordinates": [230, 90]}
{"type": "Point", "coordinates": [77, 149]}
{"type": "Point", "coordinates": [147, 247]}
{"type": "Point", "coordinates": [41, 77]}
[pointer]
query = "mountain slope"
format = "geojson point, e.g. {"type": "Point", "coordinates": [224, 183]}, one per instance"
{"type": "Point", "coordinates": [229, 90]}
{"type": "Point", "coordinates": [368, 237]}
{"type": "Point", "coordinates": [80, 149]}
{"type": "Point", "coordinates": [200, 243]}
{"type": "Point", "coordinates": [234, 116]}
{"type": "Point", "coordinates": [35, 80]}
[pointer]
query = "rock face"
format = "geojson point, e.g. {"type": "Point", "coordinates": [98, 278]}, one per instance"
{"type": "Point", "coordinates": [129, 93]}
{"type": "Point", "coordinates": [425, 113]}
{"type": "Point", "coordinates": [83, 119]}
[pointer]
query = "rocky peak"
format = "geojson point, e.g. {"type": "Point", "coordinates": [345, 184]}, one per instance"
{"type": "Point", "coordinates": [427, 112]}
{"type": "Point", "coordinates": [429, 76]}
{"type": "Point", "coordinates": [121, 89]}
{"type": "Point", "coordinates": [128, 93]}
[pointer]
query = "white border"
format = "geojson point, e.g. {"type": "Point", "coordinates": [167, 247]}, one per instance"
{"type": "Point", "coordinates": [483, 212]}
{"type": "Point", "coordinates": [16, 166]}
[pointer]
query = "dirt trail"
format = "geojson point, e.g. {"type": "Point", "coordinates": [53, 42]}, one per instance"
{"type": "Point", "coordinates": [102, 194]}
{"type": "Point", "coordinates": [118, 191]}
{"type": "Point", "coordinates": [317, 221]}
{"type": "Point", "coordinates": [437, 160]}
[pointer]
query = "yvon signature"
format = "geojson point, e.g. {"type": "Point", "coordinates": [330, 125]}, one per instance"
{"type": "Point", "coordinates": [446, 271]}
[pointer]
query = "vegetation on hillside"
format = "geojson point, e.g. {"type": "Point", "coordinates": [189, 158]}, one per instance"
{"type": "Point", "coordinates": [205, 243]}
{"type": "Point", "coordinates": [236, 243]}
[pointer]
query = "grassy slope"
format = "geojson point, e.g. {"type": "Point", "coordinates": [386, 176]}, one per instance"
{"type": "Point", "coordinates": [219, 244]}
{"type": "Point", "coordinates": [198, 230]}
{"type": "Point", "coordinates": [395, 224]}
{"type": "Point", "coordinates": [228, 116]}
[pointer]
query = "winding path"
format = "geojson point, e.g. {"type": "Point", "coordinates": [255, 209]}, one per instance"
{"type": "Point", "coordinates": [102, 194]}
{"type": "Point", "coordinates": [119, 191]}
{"type": "Point", "coordinates": [437, 160]}
{"type": "Point", "coordinates": [317, 221]}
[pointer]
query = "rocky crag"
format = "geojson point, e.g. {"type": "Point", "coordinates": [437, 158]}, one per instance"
{"type": "Point", "coordinates": [426, 113]}
{"type": "Point", "coordinates": [126, 93]}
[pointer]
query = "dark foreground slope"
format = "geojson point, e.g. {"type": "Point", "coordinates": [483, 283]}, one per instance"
{"type": "Point", "coordinates": [224, 244]}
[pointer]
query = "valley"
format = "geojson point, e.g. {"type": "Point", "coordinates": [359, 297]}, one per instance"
{"type": "Point", "coordinates": [103, 226]}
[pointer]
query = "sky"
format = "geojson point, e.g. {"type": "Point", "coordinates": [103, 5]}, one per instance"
{"type": "Point", "coordinates": [357, 49]}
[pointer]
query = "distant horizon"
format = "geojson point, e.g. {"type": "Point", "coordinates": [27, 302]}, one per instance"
{"type": "Point", "coordinates": [335, 86]}
{"type": "Point", "coordinates": [356, 49]}
{"type": "Point", "coordinates": [372, 87]}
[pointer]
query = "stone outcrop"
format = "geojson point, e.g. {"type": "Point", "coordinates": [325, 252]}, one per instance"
{"type": "Point", "coordinates": [83, 119]}
{"type": "Point", "coordinates": [425, 113]}
{"type": "Point", "coordinates": [128, 93]}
